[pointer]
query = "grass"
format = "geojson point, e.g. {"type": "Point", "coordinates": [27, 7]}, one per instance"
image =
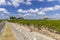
{"type": "Point", "coordinates": [50, 24]}
{"type": "Point", "coordinates": [7, 34]}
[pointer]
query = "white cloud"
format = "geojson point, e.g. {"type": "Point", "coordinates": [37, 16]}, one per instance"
{"type": "Point", "coordinates": [3, 10]}
{"type": "Point", "coordinates": [21, 11]}
{"type": "Point", "coordinates": [17, 3]}
{"type": "Point", "coordinates": [47, 9]}
{"type": "Point", "coordinates": [51, 0]}
{"type": "Point", "coordinates": [2, 2]}
{"type": "Point", "coordinates": [28, 3]}
{"type": "Point", "coordinates": [8, 3]}
{"type": "Point", "coordinates": [29, 14]}
{"type": "Point", "coordinates": [41, 0]}
{"type": "Point", "coordinates": [56, 7]}
{"type": "Point", "coordinates": [31, 11]}
{"type": "Point", "coordinates": [14, 3]}
{"type": "Point", "coordinates": [55, 16]}
{"type": "Point", "coordinates": [26, 14]}
{"type": "Point", "coordinates": [39, 11]}
{"type": "Point", "coordinates": [20, 15]}
{"type": "Point", "coordinates": [2, 14]}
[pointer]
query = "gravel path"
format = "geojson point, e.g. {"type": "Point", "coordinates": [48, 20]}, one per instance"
{"type": "Point", "coordinates": [23, 33]}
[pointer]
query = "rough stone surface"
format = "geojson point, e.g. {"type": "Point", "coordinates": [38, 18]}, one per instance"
{"type": "Point", "coordinates": [23, 33]}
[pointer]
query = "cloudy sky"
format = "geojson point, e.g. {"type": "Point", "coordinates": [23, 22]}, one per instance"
{"type": "Point", "coordinates": [30, 9]}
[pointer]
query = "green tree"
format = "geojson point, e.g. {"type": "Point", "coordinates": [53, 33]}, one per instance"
{"type": "Point", "coordinates": [13, 17]}
{"type": "Point", "coordinates": [46, 18]}
{"type": "Point", "coordinates": [20, 18]}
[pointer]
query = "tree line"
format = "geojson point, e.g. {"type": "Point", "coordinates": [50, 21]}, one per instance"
{"type": "Point", "coordinates": [21, 18]}
{"type": "Point", "coordinates": [13, 18]}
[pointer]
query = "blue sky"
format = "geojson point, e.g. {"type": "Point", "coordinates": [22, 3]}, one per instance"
{"type": "Point", "coordinates": [30, 9]}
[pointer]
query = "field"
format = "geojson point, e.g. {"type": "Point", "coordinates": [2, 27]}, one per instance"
{"type": "Point", "coordinates": [0, 20]}
{"type": "Point", "coordinates": [50, 24]}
